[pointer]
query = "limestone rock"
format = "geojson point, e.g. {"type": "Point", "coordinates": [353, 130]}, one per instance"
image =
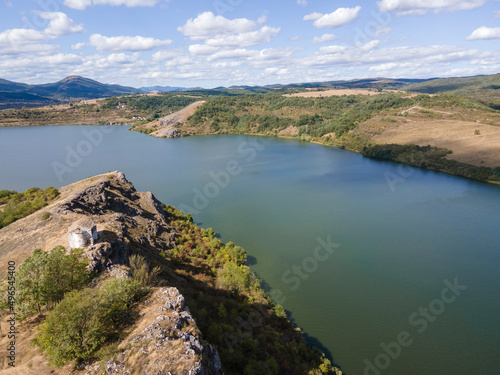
{"type": "Point", "coordinates": [169, 343]}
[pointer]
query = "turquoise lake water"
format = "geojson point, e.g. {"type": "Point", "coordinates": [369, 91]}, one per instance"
{"type": "Point", "coordinates": [364, 255]}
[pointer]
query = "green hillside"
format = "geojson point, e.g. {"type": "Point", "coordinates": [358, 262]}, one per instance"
{"type": "Point", "coordinates": [483, 88]}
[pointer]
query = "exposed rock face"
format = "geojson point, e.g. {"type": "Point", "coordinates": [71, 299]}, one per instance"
{"type": "Point", "coordinates": [172, 133]}
{"type": "Point", "coordinates": [169, 132]}
{"type": "Point", "coordinates": [124, 217]}
{"type": "Point", "coordinates": [169, 123]}
{"type": "Point", "coordinates": [165, 341]}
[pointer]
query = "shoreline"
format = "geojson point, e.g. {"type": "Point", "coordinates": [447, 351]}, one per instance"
{"type": "Point", "coordinates": [343, 147]}
{"type": "Point", "coordinates": [314, 141]}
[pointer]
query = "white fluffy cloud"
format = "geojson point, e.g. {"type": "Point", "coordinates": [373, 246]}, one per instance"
{"type": "Point", "coordinates": [125, 43]}
{"type": "Point", "coordinates": [368, 56]}
{"type": "Point", "coordinates": [78, 45]}
{"type": "Point", "coordinates": [60, 59]}
{"type": "Point", "coordinates": [207, 25]}
{"type": "Point", "coordinates": [232, 54]}
{"type": "Point", "coordinates": [251, 38]}
{"type": "Point", "coordinates": [202, 49]}
{"type": "Point", "coordinates": [15, 41]}
{"type": "Point", "coordinates": [324, 38]}
{"type": "Point", "coordinates": [82, 4]}
{"type": "Point", "coordinates": [420, 7]}
{"type": "Point", "coordinates": [368, 46]}
{"type": "Point", "coordinates": [60, 24]}
{"type": "Point", "coordinates": [78, 4]}
{"type": "Point", "coordinates": [485, 33]}
{"type": "Point", "coordinates": [335, 19]}
{"type": "Point", "coordinates": [302, 2]}
{"type": "Point", "coordinates": [224, 38]}
{"type": "Point", "coordinates": [333, 49]}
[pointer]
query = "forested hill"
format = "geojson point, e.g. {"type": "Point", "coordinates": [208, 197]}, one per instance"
{"type": "Point", "coordinates": [13, 94]}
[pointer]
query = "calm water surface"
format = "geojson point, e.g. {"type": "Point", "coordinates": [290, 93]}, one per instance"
{"type": "Point", "coordinates": [393, 246]}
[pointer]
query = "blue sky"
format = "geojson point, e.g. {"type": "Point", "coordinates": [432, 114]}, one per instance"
{"type": "Point", "coordinates": [212, 43]}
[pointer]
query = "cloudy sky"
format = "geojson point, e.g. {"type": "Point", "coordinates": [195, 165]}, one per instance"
{"type": "Point", "coordinates": [212, 43]}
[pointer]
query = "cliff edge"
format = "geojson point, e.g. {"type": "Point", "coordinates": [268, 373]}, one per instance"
{"type": "Point", "coordinates": [165, 339]}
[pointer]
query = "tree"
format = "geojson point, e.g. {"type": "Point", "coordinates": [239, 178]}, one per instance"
{"type": "Point", "coordinates": [85, 320]}
{"type": "Point", "coordinates": [235, 253]}
{"type": "Point", "coordinates": [234, 277]}
{"type": "Point", "coordinates": [44, 278]}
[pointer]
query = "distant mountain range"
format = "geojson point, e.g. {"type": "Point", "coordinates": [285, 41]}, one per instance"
{"type": "Point", "coordinates": [14, 94]}
{"type": "Point", "coordinates": [166, 89]}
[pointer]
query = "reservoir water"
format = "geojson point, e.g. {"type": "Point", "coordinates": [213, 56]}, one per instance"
{"type": "Point", "coordinates": [388, 269]}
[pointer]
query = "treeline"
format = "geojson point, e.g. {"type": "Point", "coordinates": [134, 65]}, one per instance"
{"type": "Point", "coordinates": [428, 157]}
{"type": "Point", "coordinates": [19, 205]}
{"type": "Point", "coordinates": [314, 117]}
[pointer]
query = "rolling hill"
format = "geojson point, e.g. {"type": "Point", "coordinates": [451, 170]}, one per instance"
{"type": "Point", "coordinates": [485, 88]}
{"type": "Point", "coordinates": [14, 94]}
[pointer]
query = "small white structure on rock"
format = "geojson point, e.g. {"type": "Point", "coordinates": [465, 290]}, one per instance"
{"type": "Point", "coordinates": [82, 234]}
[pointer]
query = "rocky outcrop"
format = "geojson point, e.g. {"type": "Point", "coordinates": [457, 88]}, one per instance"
{"type": "Point", "coordinates": [125, 219]}
{"type": "Point", "coordinates": [168, 124]}
{"type": "Point", "coordinates": [166, 340]}
{"type": "Point", "coordinates": [169, 132]}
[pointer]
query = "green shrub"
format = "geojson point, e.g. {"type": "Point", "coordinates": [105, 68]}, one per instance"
{"type": "Point", "coordinates": [235, 253]}
{"type": "Point", "coordinates": [85, 320]}
{"type": "Point", "coordinates": [141, 271]}
{"type": "Point", "coordinates": [234, 277]}
{"type": "Point", "coordinates": [6, 194]}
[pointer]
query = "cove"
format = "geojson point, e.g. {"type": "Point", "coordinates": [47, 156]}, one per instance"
{"type": "Point", "coordinates": [359, 252]}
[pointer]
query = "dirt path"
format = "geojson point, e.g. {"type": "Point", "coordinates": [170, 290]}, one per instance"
{"type": "Point", "coordinates": [425, 109]}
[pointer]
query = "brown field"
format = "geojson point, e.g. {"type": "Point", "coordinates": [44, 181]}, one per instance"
{"type": "Point", "coordinates": [338, 92]}
{"type": "Point", "coordinates": [481, 149]}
